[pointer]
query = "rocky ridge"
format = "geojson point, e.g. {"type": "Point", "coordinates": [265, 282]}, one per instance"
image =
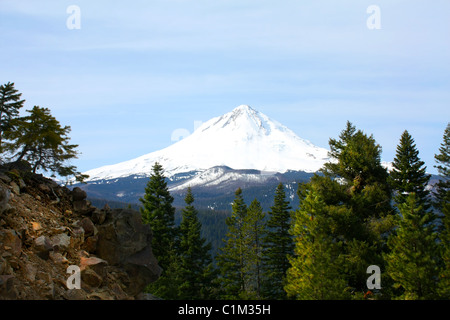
{"type": "Point", "coordinates": [45, 228]}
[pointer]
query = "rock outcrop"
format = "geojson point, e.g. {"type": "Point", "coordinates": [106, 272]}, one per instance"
{"type": "Point", "coordinates": [46, 228]}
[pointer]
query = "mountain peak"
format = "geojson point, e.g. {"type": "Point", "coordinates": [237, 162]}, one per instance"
{"type": "Point", "coordinates": [243, 119]}
{"type": "Point", "coordinates": [240, 139]}
{"type": "Point", "coordinates": [243, 108]}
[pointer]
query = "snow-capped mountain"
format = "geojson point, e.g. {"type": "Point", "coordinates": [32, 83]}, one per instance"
{"type": "Point", "coordinates": [241, 139]}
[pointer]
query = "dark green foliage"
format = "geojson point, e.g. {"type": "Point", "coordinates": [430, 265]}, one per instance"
{"type": "Point", "coordinates": [10, 103]}
{"type": "Point", "coordinates": [443, 205]}
{"type": "Point", "coordinates": [254, 230]}
{"type": "Point", "coordinates": [358, 159]}
{"type": "Point", "coordinates": [278, 245]}
{"type": "Point", "coordinates": [316, 268]}
{"type": "Point", "coordinates": [444, 236]}
{"type": "Point", "coordinates": [443, 166]}
{"type": "Point", "coordinates": [366, 213]}
{"type": "Point", "coordinates": [350, 215]}
{"type": "Point", "coordinates": [231, 258]}
{"type": "Point", "coordinates": [412, 262]}
{"type": "Point", "coordinates": [364, 188]}
{"type": "Point", "coordinates": [408, 174]}
{"type": "Point", "coordinates": [197, 271]}
{"type": "Point", "coordinates": [39, 139]}
{"type": "Point", "coordinates": [158, 212]}
{"type": "Point", "coordinates": [214, 227]}
{"type": "Point", "coordinates": [241, 259]}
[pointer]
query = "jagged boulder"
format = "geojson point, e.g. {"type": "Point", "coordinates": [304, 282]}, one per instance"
{"type": "Point", "coordinates": [80, 203]}
{"type": "Point", "coordinates": [123, 240]}
{"type": "Point", "coordinates": [78, 194]}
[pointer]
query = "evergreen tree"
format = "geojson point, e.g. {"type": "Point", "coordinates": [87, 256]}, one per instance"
{"type": "Point", "coordinates": [444, 277]}
{"type": "Point", "coordinates": [357, 159]}
{"type": "Point", "coordinates": [278, 245]}
{"type": "Point", "coordinates": [408, 174]}
{"type": "Point", "coordinates": [254, 230]}
{"type": "Point", "coordinates": [10, 103]}
{"type": "Point", "coordinates": [358, 169]}
{"type": "Point", "coordinates": [442, 193]}
{"type": "Point", "coordinates": [158, 212]}
{"type": "Point", "coordinates": [315, 272]}
{"type": "Point", "coordinates": [412, 262]}
{"type": "Point", "coordinates": [196, 262]}
{"type": "Point", "coordinates": [41, 140]}
{"type": "Point", "coordinates": [357, 196]}
{"type": "Point", "coordinates": [232, 277]}
{"type": "Point", "coordinates": [442, 204]}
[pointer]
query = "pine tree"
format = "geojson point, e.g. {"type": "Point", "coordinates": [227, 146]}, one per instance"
{"type": "Point", "coordinates": [354, 187]}
{"type": "Point", "coordinates": [442, 193]}
{"type": "Point", "coordinates": [231, 258]}
{"type": "Point", "coordinates": [442, 204]}
{"type": "Point", "coordinates": [195, 260]}
{"type": "Point", "coordinates": [408, 174]}
{"type": "Point", "coordinates": [158, 212]}
{"type": "Point", "coordinates": [315, 272]}
{"type": "Point", "coordinates": [254, 230]}
{"type": "Point", "coordinates": [358, 159]}
{"type": "Point", "coordinates": [412, 262]}
{"type": "Point", "coordinates": [278, 245]}
{"type": "Point", "coordinates": [41, 140]}
{"type": "Point", "coordinates": [444, 276]}
{"type": "Point", "coordinates": [10, 104]}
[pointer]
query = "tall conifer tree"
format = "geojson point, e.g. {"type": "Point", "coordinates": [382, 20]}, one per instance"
{"type": "Point", "coordinates": [278, 245]}
{"type": "Point", "coordinates": [195, 259]}
{"type": "Point", "coordinates": [413, 259]}
{"type": "Point", "coordinates": [231, 260]}
{"type": "Point", "coordinates": [408, 174]}
{"type": "Point", "coordinates": [254, 230]}
{"type": "Point", "coordinates": [350, 210]}
{"type": "Point", "coordinates": [158, 212]}
{"type": "Point", "coordinates": [316, 268]}
{"type": "Point", "coordinates": [442, 204]}
{"type": "Point", "coordinates": [442, 193]}
{"type": "Point", "coordinates": [368, 216]}
{"type": "Point", "coordinates": [10, 104]}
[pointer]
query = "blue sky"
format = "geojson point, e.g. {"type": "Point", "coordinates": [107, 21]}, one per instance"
{"type": "Point", "coordinates": [138, 70]}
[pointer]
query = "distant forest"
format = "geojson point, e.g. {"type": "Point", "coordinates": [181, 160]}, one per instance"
{"type": "Point", "coordinates": [213, 221]}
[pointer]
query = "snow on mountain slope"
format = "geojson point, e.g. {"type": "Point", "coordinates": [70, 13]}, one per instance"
{"type": "Point", "coordinates": [215, 176]}
{"type": "Point", "coordinates": [241, 139]}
